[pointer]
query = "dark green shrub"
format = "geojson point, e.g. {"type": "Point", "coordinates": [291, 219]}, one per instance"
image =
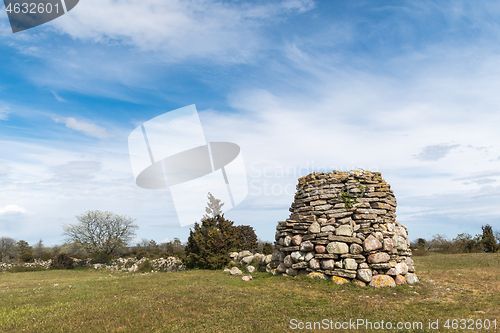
{"type": "Point", "coordinates": [247, 239]}
{"type": "Point", "coordinates": [62, 261]}
{"type": "Point", "coordinates": [26, 257]}
{"type": "Point", "coordinates": [267, 249]}
{"type": "Point", "coordinates": [141, 254]}
{"type": "Point", "coordinates": [46, 256]}
{"type": "Point", "coordinates": [209, 243]}
{"type": "Point", "coordinates": [145, 266]}
{"type": "Point", "coordinates": [101, 258]}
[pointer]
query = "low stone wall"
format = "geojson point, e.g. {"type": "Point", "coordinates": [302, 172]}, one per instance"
{"type": "Point", "coordinates": [343, 225]}
{"type": "Point", "coordinates": [170, 264]}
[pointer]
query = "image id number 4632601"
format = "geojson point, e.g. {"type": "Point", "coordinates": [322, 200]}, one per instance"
{"type": "Point", "coordinates": [32, 8]}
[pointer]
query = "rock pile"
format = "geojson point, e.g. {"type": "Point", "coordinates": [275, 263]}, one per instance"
{"type": "Point", "coordinates": [343, 225]}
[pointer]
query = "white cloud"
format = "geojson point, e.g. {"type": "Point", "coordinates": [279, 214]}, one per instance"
{"type": "Point", "coordinates": [435, 152]}
{"type": "Point", "coordinates": [179, 29]}
{"type": "Point", "coordinates": [58, 98]}
{"type": "Point", "coordinates": [88, 129]}
{"type": "Point", "coordinates": [12, 209]}
{"type": "Point", "coordinates": [4, 111]}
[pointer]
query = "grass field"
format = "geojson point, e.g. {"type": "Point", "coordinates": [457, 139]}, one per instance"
{"type": "Point", "coordinates": [453, 286]}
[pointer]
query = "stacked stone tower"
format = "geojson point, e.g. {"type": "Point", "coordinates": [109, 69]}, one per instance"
{"type": "Point", "coordinates": [343, 225]}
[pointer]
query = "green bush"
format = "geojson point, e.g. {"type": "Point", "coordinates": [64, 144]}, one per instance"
{"type": "Point", "coordinates": [26, 257]}
{"type": "Point", "coordinates": [268, 249]}
{"type": "Point", "coordinates": [145, 266]}
{"type": "Point", "coordinates": [62, 261]}
{"type": "Point", "coordinates": [101, 258]}
{"type": "Point", "coordinates": [209, 243]}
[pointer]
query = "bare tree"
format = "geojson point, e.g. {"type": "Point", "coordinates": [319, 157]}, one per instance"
{"type": "Point", "coordinates": [8, 249]}
{"type": "Point", "coordinates": [103, 232]}
{"type": "Point", "coordinates": [38, 250]}
{"type": "Point", "coordinates": [214, 207]}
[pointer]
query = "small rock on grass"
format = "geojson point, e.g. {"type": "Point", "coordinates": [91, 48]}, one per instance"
{"type": "Point", "coordinates": [235, 271]}
{"type": "Point", "coordinates": [247, 278]}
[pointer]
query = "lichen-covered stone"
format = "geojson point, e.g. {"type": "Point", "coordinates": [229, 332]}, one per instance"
{"type": "Point", "coordinates": [339, 280]}
{"type": "Point", "coordinates": [379, 281]}
{"type": "Point", "coordinates": [399, 279]}
{"type": "Point", "coordinates": [337, 248]}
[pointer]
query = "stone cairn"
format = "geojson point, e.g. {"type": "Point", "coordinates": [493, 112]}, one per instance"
{"type": "Point", "coordinates": [343, 225]}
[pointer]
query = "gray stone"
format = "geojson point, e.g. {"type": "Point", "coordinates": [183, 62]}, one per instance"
{"type": "Point", "coordinates": [281, 268]}
{"type": "Point", "coordinates": [411, 278]}
{"type": "Point", "coordinates": [327, 264]}
{"type": "Point", "coordinates": [297, 256]}
{"type": "Point", "coordinates": [400, 243]}
{"type": "Point", "coordinates": [235, 271]}
{"type": "Point", "coordinates": [401, 268]}
{"type": "Point", "coordinates": [288, 261]}
{"type": "Point", "coordinates": [355, 249]}
{"type": "Point", "coordinates": [388, 244]}
{"type": "Point", "coordinates": [291, 271]}
{"type": "Point", "coordinates": [250, 269]}
{"type": "Point", "coordinates": [246, 254]}
{"type": "Point", "coordinates": [337, 248]}
{"type": "Point", "coordinates": [364, 275]}
{"type": "Point", "coordinates": [309, 256]}
{"type": "Point", "coordinates": [306, 246]}
{"type": "Point", "coordinates": [314, 264]}
{"type": "Point", "coordinates": [247, 278]}
{"type": "Point", "coordinates": [350, 264]}
{"type": "Point", "coordinates": [328, 228]}
{"type": "Point", "coordinates": [378, 258]}
{"type": "Point", "coordinates": [247, 260]}
{"type": "Point", "coordinates": [344, 230]}
{"type": "Point", "coordinates": [287, 241]}
{"type": "Point", "coordinates": [314, 228]}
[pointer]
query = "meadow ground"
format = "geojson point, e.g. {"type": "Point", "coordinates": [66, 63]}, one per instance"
{"type": "Point", "coordinates": [453, 286]}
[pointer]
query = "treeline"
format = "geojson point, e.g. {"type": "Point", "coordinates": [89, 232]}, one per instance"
{"type": "Point", "coordinates": [487, 241]}
{"type": "Point", "coordinates": [21, 251]}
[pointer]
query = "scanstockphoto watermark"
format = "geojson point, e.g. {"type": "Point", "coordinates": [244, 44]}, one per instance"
{"type": "Point", "coordinates": [366, 324]}
{"type": "Point", "coordinates": [276, 180]}
{"type": "Point", "coordinates": [27, 14]}
{"type": "Point", "coordinates": [354, 324]}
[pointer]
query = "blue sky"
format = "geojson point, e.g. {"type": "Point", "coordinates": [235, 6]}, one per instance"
{"type": "Point", "coordinates": [402, 87]}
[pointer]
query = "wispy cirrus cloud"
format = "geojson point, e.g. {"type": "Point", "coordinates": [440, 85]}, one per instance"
{"type": "Point", "coordinates": [228, 31]}
{"type": "Point", "coordinates": [86, 128]}
{"type": "Point", "coordinates": [435, 152]}
{"type": "Point", "coordinates": [4, 111]}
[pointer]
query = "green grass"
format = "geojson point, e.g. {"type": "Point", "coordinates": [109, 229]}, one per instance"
{"type": "Point", "coordinates": [462, 286]}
